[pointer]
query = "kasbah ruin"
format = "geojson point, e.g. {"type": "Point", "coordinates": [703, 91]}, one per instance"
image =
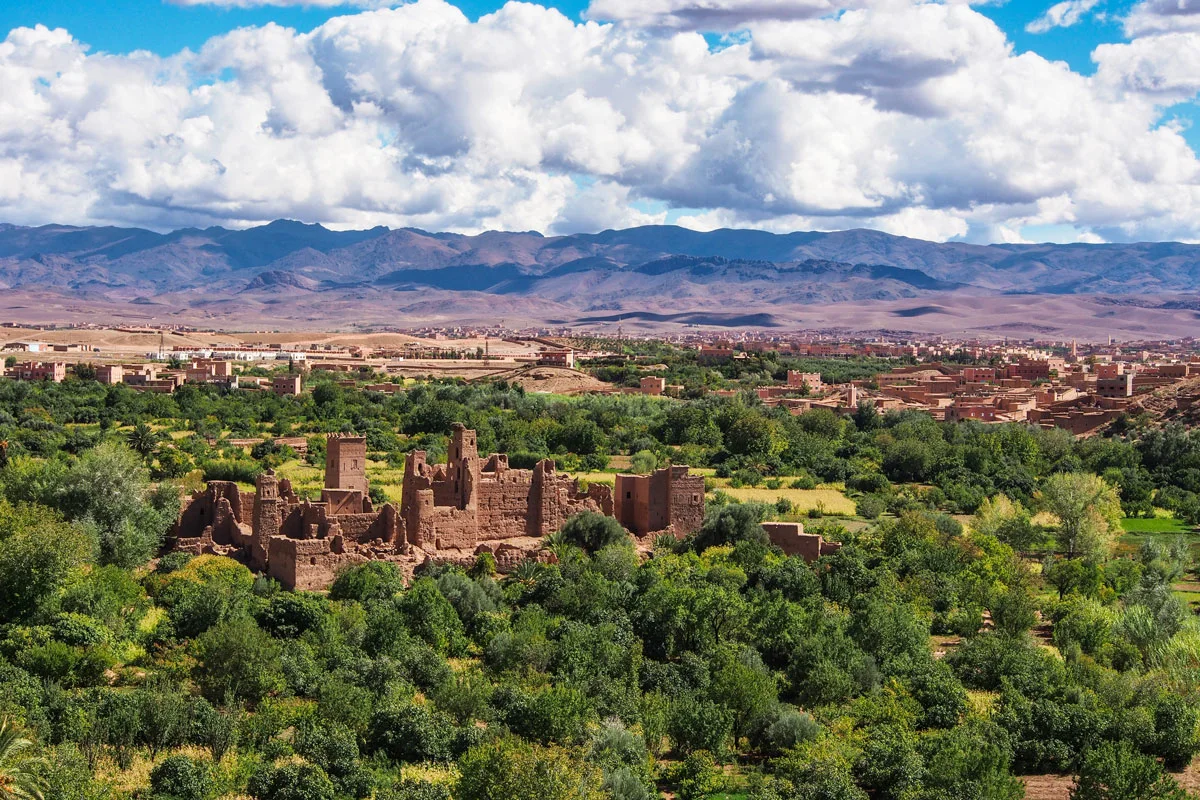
{"type": "Point", "coordinates": [450, 512]}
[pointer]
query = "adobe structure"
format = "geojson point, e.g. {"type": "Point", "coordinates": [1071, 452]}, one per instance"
{"type": "Point", "coordinates": [793, 541]}
{"type": "Point", "coordinates": [450, 512]}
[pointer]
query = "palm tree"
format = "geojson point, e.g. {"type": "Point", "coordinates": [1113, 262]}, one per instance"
{"type": "Point", "coordinates": [17, 781]}
{"type": "Point", "coordinates": [142, 439]}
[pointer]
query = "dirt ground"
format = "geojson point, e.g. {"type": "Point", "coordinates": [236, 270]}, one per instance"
{"type": "Point", "coordinates": [1058, 787]}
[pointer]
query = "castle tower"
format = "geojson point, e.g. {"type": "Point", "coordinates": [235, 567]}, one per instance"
{"type": "Point", "coordinates": [267, 520]}
{"type": "Point", "coordinates": [464, 465]}
{"type": "Point", "coordinates": [346, 463]}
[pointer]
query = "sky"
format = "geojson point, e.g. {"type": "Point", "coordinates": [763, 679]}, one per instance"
{"type": "Point", "coordinates": [1071, 121]}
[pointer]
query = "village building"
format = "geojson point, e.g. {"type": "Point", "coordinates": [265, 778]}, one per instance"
{"type": "Point", "coordinates": [55, 371]}
{"type": "Point", "coordinates": [286, 385]}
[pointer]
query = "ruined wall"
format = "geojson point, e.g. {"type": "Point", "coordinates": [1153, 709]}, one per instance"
{"type": "Point", "coordinates": [343, 501]}
{"type": "Point", "coordinates": [793, 541]}
{"type": "Point", "coordinates": [301, 564]}
{"type": "Point", "coordinates": [218, 507]}
{"type": "Point", "coordinates": [503, 504]}
{"type": "Point", "coordinates": [687, 501]}
{"type": "Point", "coordinates": [667, 499]}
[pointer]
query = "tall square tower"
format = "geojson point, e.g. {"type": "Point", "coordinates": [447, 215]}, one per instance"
{"type": "Point", "coordinates": [346, 463]}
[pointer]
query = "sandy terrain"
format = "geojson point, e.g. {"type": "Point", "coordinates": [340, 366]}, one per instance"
{"type": "Point", "coordinates": [1083, 317]}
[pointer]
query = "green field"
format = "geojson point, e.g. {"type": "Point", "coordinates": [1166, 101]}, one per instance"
{"type": "Point", "coordinates": [1154, 525]}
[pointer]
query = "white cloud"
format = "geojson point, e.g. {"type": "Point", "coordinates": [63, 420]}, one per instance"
{"type": "Point", "coordinates": [1161, 16]}
{"type": "Point", "coordinates": [1165, 66]}
{"type": "Point", "coordinates": [916, 118]}
{"type": "Point", "coordinates": [711, 15]}
{"type": "Point", "coordinates": [1061, 15]}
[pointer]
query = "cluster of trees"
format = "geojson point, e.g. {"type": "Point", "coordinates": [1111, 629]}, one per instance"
{"type": "Point", "coordinates": [891, 462]}
{"type": "Point", "coordinates": [911, 664]}
{"type": "Point", "coordinates": [604, 675]}
{"type": "Point", "coordinates": [684, 368]}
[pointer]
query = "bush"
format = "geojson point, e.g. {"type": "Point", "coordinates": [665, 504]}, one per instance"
{"type": "Point", "coordinates": [291, 782]}
{"type": "Point", "coordinates": [181, 778]}
{"type": "Point", "coordinates": [238, 658]}
{"type": "Point", "coordinates": [409, 789]}
{"type": "Point", "coordinates": [411, 733]}
{"type": "Point", "coordinates": [697, 776]}
{"type": "Point", "coordinates": [731, 524]}
{"type": "Point", "coordinates": [870, 506]}
{"type": "Point", "coordinates": [290, 614]}
{"type": "Point", "coordinates": [1116, 772]}
{"type": "Point", "coordinates": [228, 469]}
{"type": "Point", "coordinates": [803, 481]}
{"type": "Point", "coordinates": [375, 580]}
{"type": "Point", "coordinates": [592, 531]}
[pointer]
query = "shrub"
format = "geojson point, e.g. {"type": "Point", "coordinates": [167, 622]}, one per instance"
{"type": "Point", "coordinates": [592, 531]}
{"type": "Point", "coordinates": [291, 782]}
{"type": "Point", "coordinates": [181, 778]}
{"type": "Point", "coordinates": [375, 580]}
{"type": "Point", "coordinates": [870, 506]}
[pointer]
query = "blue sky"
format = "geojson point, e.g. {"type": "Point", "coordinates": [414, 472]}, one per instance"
{"type": "Point", "coordinates": [919, 117]}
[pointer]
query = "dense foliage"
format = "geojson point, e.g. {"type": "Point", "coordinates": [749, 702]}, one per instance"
{"type": "Point", "coordinates": [932, 657]}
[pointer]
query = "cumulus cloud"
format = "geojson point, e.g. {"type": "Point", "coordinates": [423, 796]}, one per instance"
{"type": "Point", "coordinates": [711, 15]}
{"type": "Point", "coordinates": [1160, 16]}
{"type": "Point", "coordinates": [1061, 15]}
{"type": "Point", "coordinates": [916, 118]}
{"type": "Point", "coordinates": [1166, 66]}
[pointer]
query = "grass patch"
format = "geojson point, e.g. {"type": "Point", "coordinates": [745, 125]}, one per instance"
{"type": "Point", "coordinates": [1154, 525]}
{"type": "Point", "coordinates": [832, 501]}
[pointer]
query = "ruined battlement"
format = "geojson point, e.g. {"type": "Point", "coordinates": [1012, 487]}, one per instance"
{"type": "Point", "coordinates": [449, 512]}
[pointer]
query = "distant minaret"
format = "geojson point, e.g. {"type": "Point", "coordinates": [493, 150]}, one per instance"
{"type": "Point", "coordinates": [1074, 349]}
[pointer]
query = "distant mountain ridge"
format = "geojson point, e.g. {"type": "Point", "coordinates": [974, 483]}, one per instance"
{"type": "Point", "coordinates": [589, 272]}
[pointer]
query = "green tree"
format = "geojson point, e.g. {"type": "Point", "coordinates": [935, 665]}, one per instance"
{"type": "Point", "coordinates": [1006, 520]}
{"type": "Point", "coordinates": [38, 552]}
{"type": "Point", "coordinates": [592, 531]}
{"type": "Point", "coordinates": [375, 580]}
{"type": "Point", "coordinates": [181, 778]}
{"type": "Point", "coordinates": [291, 782]}
{"type": "Point", "coordinates": [969, 761]}
{"type": "Point", "coordinates": [431, 617]}
{"type": "Point", "coordinates": [142, 439]}
{"type": "Point", "coordinates": [237, 658]}
{"type": "Point", "coordinates": [511, 769]}
{"type": "Point", "coordinates": [109, 488]}
{"type": "Point", "coordinates": [215, 729]}
{"type": "Point", "coordinates": [729, 525]}
{"type": "Point", "coordinates": [1088, 511]}
{"type": "Point", "coordinates": [164, 717]}
{"type": "Point", "coordinates": [643, 462]}
{"type": "Point", "coordinates": [1115, 771]}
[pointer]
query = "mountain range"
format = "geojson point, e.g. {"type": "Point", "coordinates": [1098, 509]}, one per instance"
{"type": "Point", "coordinates": [284, 270]}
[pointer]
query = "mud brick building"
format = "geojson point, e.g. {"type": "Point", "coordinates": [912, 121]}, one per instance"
{"type": "Point", "coordinates": [448, 512]}
{"type": "Point", "coordinates": [468, 500]}
{"type": "Point", "coordinates": [667, 500]}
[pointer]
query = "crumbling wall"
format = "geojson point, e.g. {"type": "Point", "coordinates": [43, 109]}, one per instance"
{"type": "Point", "coordinates": [219, 507]}
{"type": "Point", "coordinates": [687, 501]}
{"type": "Point", "coordinates": [793, 541]}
